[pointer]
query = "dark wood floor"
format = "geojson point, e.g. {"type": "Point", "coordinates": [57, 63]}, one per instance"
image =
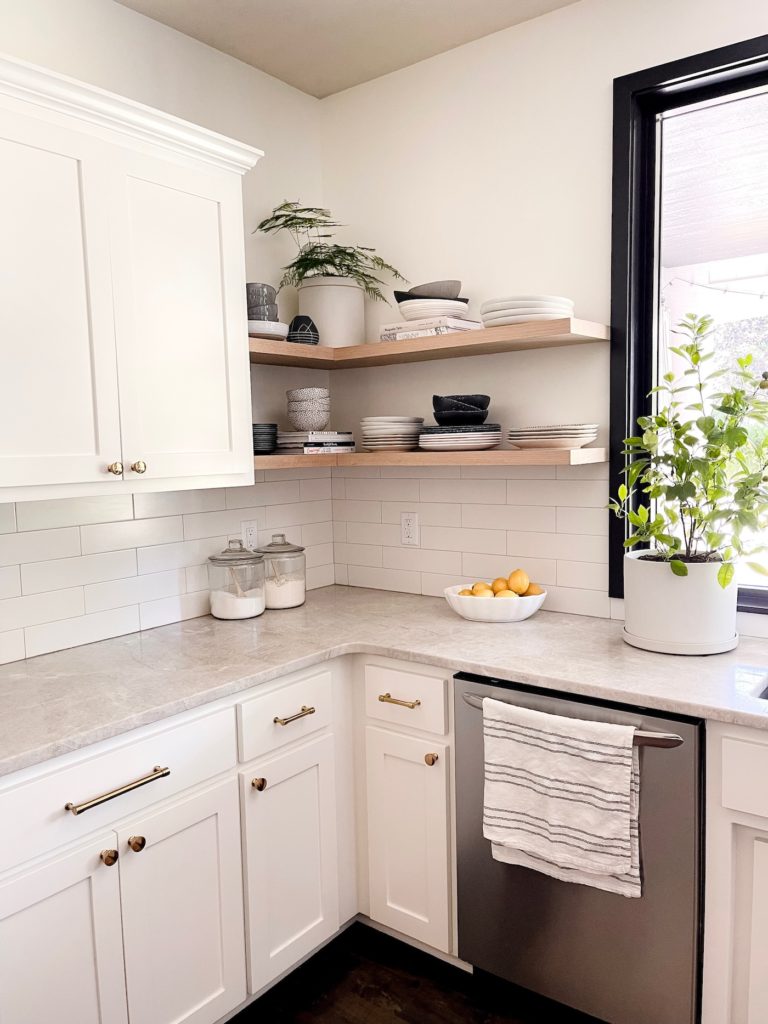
{"type": "Point", "coordinates": [364, 977]}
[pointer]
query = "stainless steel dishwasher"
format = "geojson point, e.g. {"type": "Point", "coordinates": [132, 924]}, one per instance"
{"type": "Point", "coordinates": [624, 961]}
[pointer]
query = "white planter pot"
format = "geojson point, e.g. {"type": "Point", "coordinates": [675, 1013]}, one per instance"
{"type": "Point", "coordinates": [337, 305]}
{"type": "Point", "coordinates": [672, 614]}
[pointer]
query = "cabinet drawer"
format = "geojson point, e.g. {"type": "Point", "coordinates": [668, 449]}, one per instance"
{"type": "Point", "coordinates": [279, 717]}
{"type": "Point", "coordinates": [36, 820]}
{"type": "Point", "coordinates": [427, 693]}
{"type": "Point", "coordinates": [745, 769]}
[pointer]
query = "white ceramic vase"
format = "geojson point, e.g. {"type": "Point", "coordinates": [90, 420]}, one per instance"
{"type": "Point", "coordinates": [672, 614]}
{"type": "Point", "coordinates": [337, 305]}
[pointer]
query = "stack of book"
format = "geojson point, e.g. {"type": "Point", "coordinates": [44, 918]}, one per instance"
{"type": "Point", "coordinates": [315, 442]}
{"type": "Point", "coordinates": [429, 327]}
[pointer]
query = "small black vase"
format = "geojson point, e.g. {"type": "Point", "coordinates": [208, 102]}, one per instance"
{"type": "Point", "coordinates": [303, 330]}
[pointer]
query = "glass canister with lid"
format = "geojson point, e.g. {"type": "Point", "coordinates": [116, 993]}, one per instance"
{"type": "Point", "coordinates": [236, 580]}
{"type": "Point", "coordinates": [286, 572]}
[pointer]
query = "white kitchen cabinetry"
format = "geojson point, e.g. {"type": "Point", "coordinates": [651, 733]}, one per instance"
{"type": "Point", "coordinates": [408, 835]}
{"type": "Point", "coordinates": [182, 905]}
{"type": "Point", "coordinates": [736, 904]}
{"type": "Point", "coordinates": [122, 295]}
{"type": "Point", "coordinates": [61, 950]}
{"type": "Point", "coordinates": [289, 808]}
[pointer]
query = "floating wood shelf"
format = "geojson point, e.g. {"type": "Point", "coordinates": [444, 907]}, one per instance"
{"type": "Point", "coordinates": [487, 341]}
{"type": "Point", "coordinates": [527, 457]}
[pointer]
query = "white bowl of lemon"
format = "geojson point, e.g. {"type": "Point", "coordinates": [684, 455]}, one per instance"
{"type": "Point", "coordinates": [507, 599]}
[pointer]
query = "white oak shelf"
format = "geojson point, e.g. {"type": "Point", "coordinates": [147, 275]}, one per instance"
{"type": "Point", "coordinates": [486, 341]}
{"type": "Point", "coordinates": [527, 457]}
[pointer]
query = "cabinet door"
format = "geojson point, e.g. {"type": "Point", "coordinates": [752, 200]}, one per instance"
{"type": "Point", "coordinates": [181, 320]}
{"type": "Point", "coordinates": [291, 858]}
{"type": "Point", "coordinates": [59, 420]}
{"type": "Point", "coordinates": [61, 951]}
{"type": "Point", "coordinates": [182, 898]}
{"type": "Point", "coordinates": [408, 840]}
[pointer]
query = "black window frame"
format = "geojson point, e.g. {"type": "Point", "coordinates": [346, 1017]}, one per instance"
{"type": "Point", "coordinates": [638, 99]}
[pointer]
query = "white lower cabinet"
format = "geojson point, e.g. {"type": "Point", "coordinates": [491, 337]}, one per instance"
{"type": "Point", "coordinates": [61, 949]}
{"type": "Point", "coordinates": [291, 857]}
{"type": "Point", "coordinates": [408, 835]}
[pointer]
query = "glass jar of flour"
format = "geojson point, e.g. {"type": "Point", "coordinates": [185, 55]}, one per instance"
{"type": "Point", "coordinates": [236, 580]}
{"type": "Point", "coordinates": [286, 572]}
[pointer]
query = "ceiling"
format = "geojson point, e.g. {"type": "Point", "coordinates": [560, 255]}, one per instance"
{"type": "Point", "coordinates": [715, 182]}
{"type": "Point", "coordinates": [324, 46]}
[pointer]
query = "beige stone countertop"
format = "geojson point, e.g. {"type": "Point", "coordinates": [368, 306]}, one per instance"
{"type": "Point", "coordinates": [60, 702]}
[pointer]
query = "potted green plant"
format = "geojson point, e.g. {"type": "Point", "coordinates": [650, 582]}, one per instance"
{"type": "Point", "coordinates": [696, 492]}
{"type": "Point", "coordinates": [332, 279]}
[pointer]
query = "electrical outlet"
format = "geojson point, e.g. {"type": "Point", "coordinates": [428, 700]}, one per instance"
{"type": "Point", "coordinates": [250, 533]}
{"type": "Point", "coordinates": [409, 528]}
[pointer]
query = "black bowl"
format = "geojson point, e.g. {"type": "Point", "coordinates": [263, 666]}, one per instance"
{"type": "Point", "coordinates": [462, 403]}
{"type": "Point", "coordinates": [407, 297]}
{"type": "Point", "coordinates": [455, 417]}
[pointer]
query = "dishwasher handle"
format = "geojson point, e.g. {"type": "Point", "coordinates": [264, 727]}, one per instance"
{"type": "Point", "coordinates": [641, 739]}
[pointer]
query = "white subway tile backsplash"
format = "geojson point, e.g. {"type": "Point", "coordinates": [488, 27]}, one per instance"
{"type": "Point", "coordinates": [317, 533]}
{"type": "Point", "coordinates": [174, 609]}
{"type": "Point", "coordinates": [558, 492]}
{"type": "Point", "coordinates": [319, 554]}
{"type": "Point", "coordinates": [558, 545]}
{"type": "Point", "coordinates": [359, 554]}
{"type": "Point", "coordinates": [314, 490]}
{"type": "Point", "coordinates": [213, 524]}
{"type": "Point", "coordinates": [195, 578]}
{"type": "Point", "coordinates": [360, 472]}
{"type": "Point", "coordinates": [488, 567]}
{"type": "Point", "coordinates": [338, 487]}
{"type": "Point", "coordinates": [340, 533]}
{"type": "Point", "coordinates": [87, 629]}
{"type": "Point", "coordinates": [382, 490]}
{"type": "Point", "coordinates": [433, 584]}
{"type": "Point", "coordinates": [277, 492]}
{"type": "Point", "coordinates": [577, 602]}
{"type": "Point", "coordinates": [7, 518]}
{"type": "Point", "coordinates": [421, 472]}
{"type": "Point", "coordinates": [162, 557]}
{"type": "Point", "coordinates": [345, 511]}
{"type": "Point", "coordinates": [49, 514]}
{"type": "Point", "coordinates": [39, 545]}
{"type": "Point", "coordinates": [11, 646]}
{"type": "Point", "coordinates": [300, 513]}
{"type": "Point", "coordinates": [508, 472]}
{"type": "Point", "coordinates": [592, 471]}
{"type": "Point", "coordinates": [582, 575]}
{"type": "Point", "coordinates": [509, 517]}
{"type": "Point", "coordinates": [384, 579]}
{"type": "Point", "coordinates": [422, 560]}
{"type": "Point", "coordinates": [372, 533]}
{"type": "Point", "coordinates": [307, 473]}
{"type": "Point", "coordinates": [486, 492]}
{"type": "Point", "coordinates": [18, 612]}
{"type": "Point", "coordinates": [59, 573]}
{"type": "Point", "coordinates": [137, 533]}
{"type": "Point", "coordinates": [10, 583]}
{"type": "Point", "coordinates": [430, 514]}
{"type": "Point", "coordinates": [175, 503]}
{"type": "Point", "coordinates": [340, 576]}
{"type": "Point", "coordinates": [320, 576]}
{"type": "Point", "coordinates": [461, 539]}
{"type": "Point", "coordinates": [100, 597]}
{"type": "Point", "coordinates": [583, 520]}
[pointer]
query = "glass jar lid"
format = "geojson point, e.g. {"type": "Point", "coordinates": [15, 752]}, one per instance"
{"type": "Point", "coordinates": [279, 546]}
{"type": "Point", "coordinates": [236, 554]}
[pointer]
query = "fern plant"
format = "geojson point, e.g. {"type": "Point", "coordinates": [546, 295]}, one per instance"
{"type": "Point", "coordinates": [309, 227]}
{"type": "Point", "coordinates": [696, 484]}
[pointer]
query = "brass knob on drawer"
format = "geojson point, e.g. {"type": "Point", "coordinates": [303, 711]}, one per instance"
{"type": "Point", "coordinates": [430, 759]}
{"type": "Point", "coordinates": [139, 467]}
{"type": "Point", "coordinates": [109, 857]}
{"type": "Point", "coordinates": [115, 468]}
{"type": "Point", "coordinates": [259, 784]}
{"type": "Point", "coordinates": [137, 843]}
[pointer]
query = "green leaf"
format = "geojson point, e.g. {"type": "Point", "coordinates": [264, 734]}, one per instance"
{"type": "Point", "coordinates": [623, 492]}
{"type": "Point", "coordinates": [678, 568]}
{"type": "Point", "coordinates": [757, 567]}
{"type": "Point", "coordinates": [725, 574]}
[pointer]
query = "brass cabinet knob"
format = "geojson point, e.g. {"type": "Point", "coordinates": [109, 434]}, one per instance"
{"type": "Point", "coordinates": [139, 467]}
{"type": "Point", "coordinates": [430, 759]}
{"type": "Point", "coordinates": [259, 784]}
{"type": "Point", "coordinates": [116, 468]}
{"type": "Point", "coordinates": [137, 843]}
{"type": "Point", "coordinates": [109, 857]}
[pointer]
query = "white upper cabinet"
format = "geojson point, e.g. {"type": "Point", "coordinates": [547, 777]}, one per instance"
{"type": "Point", "coordinates": [123, 323]}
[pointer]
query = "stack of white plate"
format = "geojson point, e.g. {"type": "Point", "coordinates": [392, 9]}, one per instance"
{"type": "Point", "coordinates": [517, 309]}
{"type": "Point", "coordinates": [419, 309]}
{"type": "Point", "coordinates": [271, 329]}
{"type": "Point", "coordinates": [460, 439]}
{"type": "Point", "coordinates": [559, 435]}
{"type": "Point", "coordinates": [391, 433]}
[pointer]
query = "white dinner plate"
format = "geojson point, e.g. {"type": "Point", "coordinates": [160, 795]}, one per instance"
{"type": "Point", "coordinates": [551, 442]}
{"type": "Point", "coordinates": [532, 311]}
{"type": "Point", "coordinates": [267, 329]}
{"type": "Point", "coordinates": [478, 446]}
{"type": "Point", "coordinates": [525, 300]}
{"type": "Point", "coordinates": [504, 321]}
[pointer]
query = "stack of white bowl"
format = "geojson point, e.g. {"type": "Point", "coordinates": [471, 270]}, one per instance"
{"type": "Point", "coordinates": [391, 433]}
{"type": "Point", "coordinates": [558, 435]}
{"type": "Point", "coordinates": [309, 408]}
{"type": "Point", "coordinates": [517, 309]}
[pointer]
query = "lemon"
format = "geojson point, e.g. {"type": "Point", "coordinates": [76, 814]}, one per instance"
{"type": "Point", "coordinates": [478, 588]}
{"type": "Point", "coordinates": [533, 590]}
{"type": "Point", "coordinates": [505, 593]}
{"type": "Point", "coordinates": [519, 581]}
{"type": "Point", "coordinates": [466, 593]}
{"type": "Point", "coordinates": [498, 584]}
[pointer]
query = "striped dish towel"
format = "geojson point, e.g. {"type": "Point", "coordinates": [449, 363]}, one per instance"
{"type": "Point", "coordinates": [562, 796]}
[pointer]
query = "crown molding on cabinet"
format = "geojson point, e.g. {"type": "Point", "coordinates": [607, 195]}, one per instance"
{"type": "Point", "coordinates": [49, 89]}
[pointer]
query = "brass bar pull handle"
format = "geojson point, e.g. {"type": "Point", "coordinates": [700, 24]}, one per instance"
{"type": "Point", "coordinates": [156, 773]}
{"type": "Point", "coordinates": [387, 698]}
{"type": "Point", "coordinates": [292, 718]}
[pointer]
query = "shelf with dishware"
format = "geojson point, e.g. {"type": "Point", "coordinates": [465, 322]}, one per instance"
{"type": "Point", "coordinates": [505, 457]}
{"type": "Point", "coordinates": [518, 337]}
